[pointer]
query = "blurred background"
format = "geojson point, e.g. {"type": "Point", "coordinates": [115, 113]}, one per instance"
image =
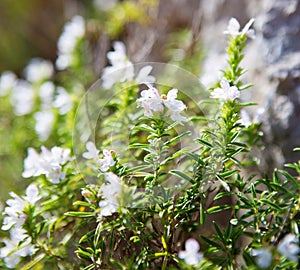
{"type": "Point", "coordinates": [188, 33]}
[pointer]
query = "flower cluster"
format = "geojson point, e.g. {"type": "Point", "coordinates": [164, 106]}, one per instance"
{"type": "Point", "coordinates": [151, 101]}
{"type": "Point", "coordinates": [24, 95]}
{"type": "Point", "coordinates": [287, 247]}
{"type": "Point", "coordinates": [72, 34]}
{"type": "Point", "coordinates": [48, 163]}
{"type": "Point", "coordinates": [110, 192]}
{"type": "Point", "coordinates": [122, 69]}
{"type": "Point", "coordinates": [19, 243]}
{"type": "Point", "coordinates": [233, 28]}
{"type": "Point", "coordinates": [226, 92]}
{"type": "Point", "coordinates": [93, 153]}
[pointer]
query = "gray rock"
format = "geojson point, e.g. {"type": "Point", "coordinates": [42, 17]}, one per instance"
{"type": "Point", "coordinates": [273, 61]}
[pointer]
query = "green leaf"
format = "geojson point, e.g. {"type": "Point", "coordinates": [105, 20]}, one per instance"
{"type": "Point", "coordinates": [33, 262]}
{"type": "Point", "coordinates": [228, 174]}
{"type": "Point", "coordinates": [183, 176]}
{"type": "Point", "coordinates": [80, 214]}
{"type": "Point", "coordinates": [218, 208]}
{"type": "Point", "coordinates": [177, 138]}
{"type": "Point", "coordinates": [211, 242]}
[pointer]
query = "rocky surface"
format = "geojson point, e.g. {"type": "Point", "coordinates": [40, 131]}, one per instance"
{"type": "Point", "coordinates": [273, 61]}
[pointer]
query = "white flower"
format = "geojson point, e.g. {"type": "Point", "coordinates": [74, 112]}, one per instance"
{"type": "Point", "coordinates": [175, 106]}
{"type": "Point", "coordinates": [110, 192]}
{"type": "Point", "coordinates": [14, 211]}
{"type": "Point", "coordinates": [46, 94]}
{"type": "Point", "coordinates": [226, 92]}
{"type": "Point", "coordinates": [144, 75]}
{"type": "Point", "coordinates": [48, 163]}
{"type": "Point", "coordinates": [245, 119]}
{"type": "Point", "coordinates": [289, 247]}
{"type": "Point", "coordinates": [63, 101]}
{"type": "Point", "coordinates": [107, 161]}
{"type": "Point", "coordinates": [104, 4]}
{"type": "Point", "coordinates": [44, 124]}
{"type": "Point", "coordinates": [233, 28]}
{"type": "Point", "coordinates": [263, 257]}
{"type": "Point", "coordinates": [32, 164]}
{"type": "Point", "coordinates": [191, 254]}
{"type": "Point", "coordinates": [67, 42]}
{"type": "Point", "coordinates": [38, 70]}
{"type": "Point", "coordinates": [19, 245]}
{"type": "Point", "coordinates": [92, 152]}
{"type": "Point", "coordinates": [121, 68]}
{"type": "Point", "coordinates": [22, 98]}
{"type": "Point", "coordinates": [151, 101]}
{"type": "Point", "coordinates": [7, 82]}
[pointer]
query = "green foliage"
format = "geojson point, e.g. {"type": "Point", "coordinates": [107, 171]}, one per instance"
{"type": "Point", "coordinates": [148, 197]}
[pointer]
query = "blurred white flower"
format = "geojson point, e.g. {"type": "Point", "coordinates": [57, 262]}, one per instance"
{"type": "Point", "coordinates": [46, 92]}
{"type": "Point", "coordinates": [191, 254]}
{"type": "Point", "coordinates": [175, 106]}
{"type": "Point", "coordinates": [107, 161]}
{"type": "Point", "coordinates": [144, 75]}
{"type": "Point", "coordinates": [104, 4]}
{"type": "Point", "coordinates": [17, 246]}
{"type": "Point", "coordinates": [48, 163]}
{"type": "Point", "coordinates": [63, 101]}
{"type": "Point", "coordinates": [289, 247]}
{"type": "Point", "coordinates": [121, 68]}
{"type": "Point", "coordinates": [38, 70]}
{"type": "Point", "coordinates": [44, 124]}
{"type": "Point", "coordinates": [233, 28]}
{"type": "Point", "coordinates": [245, 119]}
{"type": "Point", "coordinates": [226, 92]}
{"type": "Point", "coordinates": [14, 216]}
{"type": "Point", "coordinates": [92, 151]}
{"type": "Point", "coordinates": [8, 81]}
{"type": "Point", "coordinates": [73, 32]}
{"type": "Point", "coordinates": [110, 191]}
{"type": "Point", "coordinates": [263, 257]}
{"type": "Point", "coordinates": [151, 101]}
{"type": "Point", "coordinates": [22, 98]}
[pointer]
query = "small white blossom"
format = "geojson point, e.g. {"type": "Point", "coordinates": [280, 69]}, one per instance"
{"type": "Point", "coordinates": [17, 246]}
{"type": "Point", "coordinates": [38, 70]}
{"type": "Point", "coordinates": [245, 119]}
{"type": "Point", "coordinates": [263, 257]}
{"type": "Point", "coordinates": [289, 247]}
{"type": "Point", "coordinates": [151, 101]}
{"type": "Point", "coordinates": [92, 151]}
{"type": "Point", "coordinates": [46, 92]}
{"type": "Point", "coordinates": [233, 28]}
{"type": "Point", "coordinates": [144, 75]}
{"type": "Point", "coordinates": [63, 101]}
{"type": "Point", "coordinates": [48, 163]}
{"type": "Point", "coordinates": [73, 32]}
{"type": "Point", "coordinates": [44, 124]}
{"type": "Point", "coordinates": [226, 92]}
{"type": "Point", "coordinates": [121, 68]}
{"type": "Point", "coordinates": [191, 254]}
{"type": "Point", "coordinates": [7, 82]}
{"type": "Point", "coordinates": [22, 98]}
{"type": "Point", "coordinates": [110, 191]}
{"type": "Point", "coordinates": [175, 106]}
{"type": "Point", "coordinates": [14, 211]}
{"type": "Point", "coordinates": [107, 161]}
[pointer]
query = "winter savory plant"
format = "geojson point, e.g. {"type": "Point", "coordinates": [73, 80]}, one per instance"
{"type": "Point", "coordinates": [159, 198]}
